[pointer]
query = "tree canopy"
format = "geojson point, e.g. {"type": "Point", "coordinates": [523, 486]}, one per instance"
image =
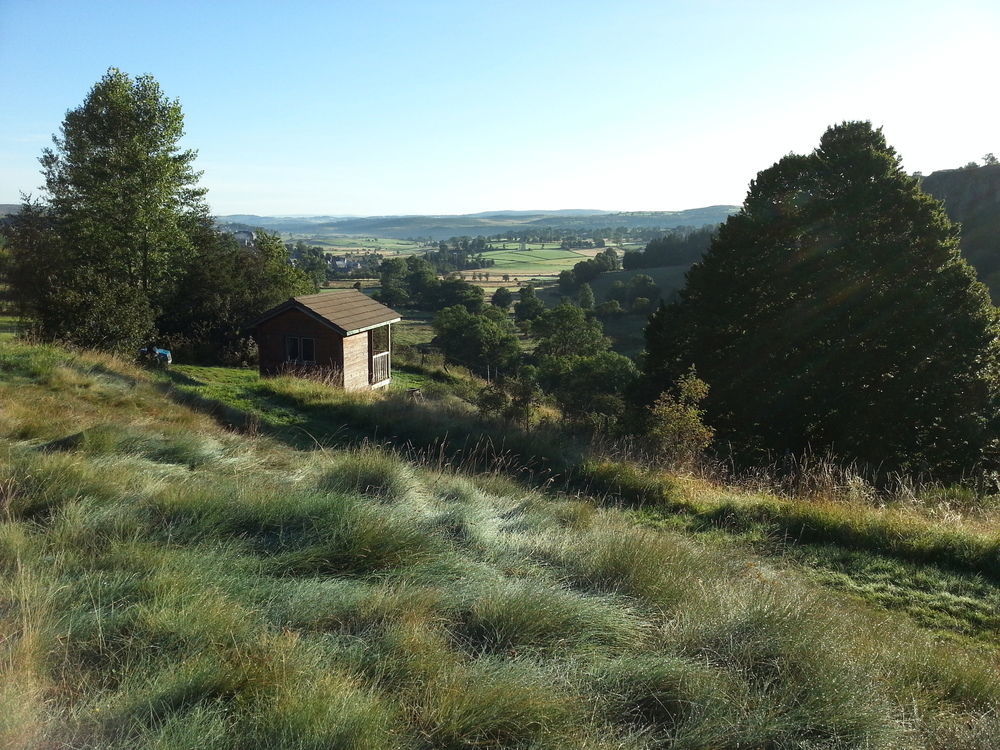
{"type": "Point", "coordinates": [835, 312]}
{"type": "Point", "coordinates": [122, 248]}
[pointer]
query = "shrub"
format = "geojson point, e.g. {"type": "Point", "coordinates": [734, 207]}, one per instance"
{"type": "Point", "coordinates": [677, 432]}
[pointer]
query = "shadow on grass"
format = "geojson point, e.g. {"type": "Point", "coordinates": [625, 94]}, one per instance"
{"type": "Point", "coordinates": [421, 432]}
{"type": "Point", "coordinates": [431, 436]}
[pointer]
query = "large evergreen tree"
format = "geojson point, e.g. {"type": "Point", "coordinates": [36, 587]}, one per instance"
{"type": "Point", "coordinates": [835, 312]}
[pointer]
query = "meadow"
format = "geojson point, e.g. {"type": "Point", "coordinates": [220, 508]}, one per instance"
{"type": "Point", "coordinates": [8, 326]}
{"type": "Point", "coordinates": [178, 574]}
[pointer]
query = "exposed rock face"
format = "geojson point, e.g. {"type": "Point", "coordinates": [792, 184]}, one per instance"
{"type": "Point", "coordinates": [972, 197]}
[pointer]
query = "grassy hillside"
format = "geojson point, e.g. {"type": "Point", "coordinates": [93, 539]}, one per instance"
{"type": "Point", "coordinates": [171, 583]}
{"type": "Point", "coordinates": [972, 197]}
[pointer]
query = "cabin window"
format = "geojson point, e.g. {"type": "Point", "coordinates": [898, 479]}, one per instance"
{"type": "Point", "coordinates": [300, 349]}
{"type": "Point", "coordinates": [308, 350]}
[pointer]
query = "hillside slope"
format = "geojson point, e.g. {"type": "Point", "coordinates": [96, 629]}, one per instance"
{"type": "Point", "coordinates": [172, 584]}
{"type": "Point", "coordinates": [972, 196]}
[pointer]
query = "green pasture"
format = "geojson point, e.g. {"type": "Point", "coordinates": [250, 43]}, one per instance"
{"type": "Point", "coordinates": [341, 244]}
{"type": "Point", "coordinates": [8, 326]}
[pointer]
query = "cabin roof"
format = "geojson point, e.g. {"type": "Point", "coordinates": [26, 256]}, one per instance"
{"type": "Point", "coordinates": [348, 311]}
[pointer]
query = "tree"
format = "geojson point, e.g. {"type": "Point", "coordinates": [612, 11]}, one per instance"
{"type": "Point", "coordinates": [122, 202]}
{"type": "Point", "coordinates": [513, 398]}
{"type": "Point", "coordinates": [677, 431]}
{"type": "Point", "coordinates": [585, 297]}
{"type": "Point", "coordinates": [566, 331]}
{"type": "Point", "coordinates": [529, 307]}
{"type": "Point", "coordinates": [502, 298]}
{"type": "Point", "coordinates": [835, 312]}
{"type": "Point", "coordinates": [567, 281]}
{"type": "Point", "coordinates": [225, 286]}
{"type": "Point", "coordinates": [592, 389]}
{"type": "Point", "coordinates": [485, 343]}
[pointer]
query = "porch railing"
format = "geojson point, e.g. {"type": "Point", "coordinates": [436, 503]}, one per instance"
{"type": "Point", "coordinates": [380, 367]}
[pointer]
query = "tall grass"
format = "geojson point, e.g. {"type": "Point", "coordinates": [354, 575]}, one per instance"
{"type": "Point", "coordinates": [169, 584]}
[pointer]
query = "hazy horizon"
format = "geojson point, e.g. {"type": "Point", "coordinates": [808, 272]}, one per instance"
{"type": "Point", "coordinates": [444, 108]}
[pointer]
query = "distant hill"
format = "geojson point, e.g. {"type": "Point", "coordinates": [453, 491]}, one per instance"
{"type": "Point", "coordinates": [9, 208]}
{"type": "Point", "coordinates": [440, 227]}
{"type": "Point", "coordinates": [971, 196]}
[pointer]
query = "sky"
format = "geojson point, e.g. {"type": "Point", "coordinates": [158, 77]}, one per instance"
{"type": "Point", "coordinates": [374, 108]}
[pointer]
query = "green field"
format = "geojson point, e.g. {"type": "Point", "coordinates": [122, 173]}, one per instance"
{"type": "Point", "coordinates": [8, 326]}
{"type": "Point", "coordinates": [343, 244]}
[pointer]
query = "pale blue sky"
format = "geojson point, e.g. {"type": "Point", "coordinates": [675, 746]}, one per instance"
{"type": "Point", "coordinates": [451, 107]}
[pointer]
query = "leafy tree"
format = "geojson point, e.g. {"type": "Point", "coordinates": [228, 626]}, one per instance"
{"type": "Point", "coordinates": [641, 285]}
{"type": "Point", "coordinates": [566, 331]}
{"type": "Point", "coordinates": [513, 398]}
{"type": "Point", "coordinates": [225, 286]}
{"type": "Point", "coordinates": [567, 281]}
{"type": "Point", "coordinates": [608, 308]}
{"type": "Point", "coordinates": [834, 311]}
{"type": "Point", "coordinates": [121, 203]}
{"type": "Point", "coordinates": [450, 292]}
{"type": "Point", "coordinates": [311, 260]}
{"type": "Point", "coordinates": [529, 307]}
{"type": "Point", "coordinates": [502, 298]}
{"type": "Point", "coordinates": [677, 431]}
{"type": "Point", "coordinates": [640, 305]}
{"type": "Point", "coordinates": [585, 297]}
{"type": "Point", "coordinates": [592, 389]}
{"type": "Point", "coordinates": [485, 343]}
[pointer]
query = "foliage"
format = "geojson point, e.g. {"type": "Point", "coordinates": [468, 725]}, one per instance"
{"type": "Point", "coordinates": [834, 311]}
{"type": "Point", "coordinates": [122, 249]}
{"type": "Point", "coordinates": [96, 262]}
{"type": "Point", "coordinates": [566, 331]}
{"type": "Point", "coordinates": [677, 431]}
{"type": "Point", "coordinates": [226, 286]}
{"type": "Point", "coordinates": [678, 248]}
{"type": "Point", "coordinates": [486, 342]}
{"type": "Point", "coordinates": [311, 260]}
{"type": "Point", "coordinates": [413, 281]}
{"type": "Point", "coordinates": [591, 389]}
{"type": "Point", "coordinates": [529, 306]}
{"type": "Point", "coordinates": [513, 398]}
{"type": "Point", "coordinates": [585, 297]}
{"type": "Point", "coordinates": [502, 298]}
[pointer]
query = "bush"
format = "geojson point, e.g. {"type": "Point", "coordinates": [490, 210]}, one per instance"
{"type": "Point", "coordinates": [676, 430]}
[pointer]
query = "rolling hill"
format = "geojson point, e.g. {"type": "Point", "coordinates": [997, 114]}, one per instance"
{"type": "Point", "coordinates": [439, 227]}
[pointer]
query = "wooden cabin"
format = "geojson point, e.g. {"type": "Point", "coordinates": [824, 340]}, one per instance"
{"type": "Point", "coordinates": [343, 333]}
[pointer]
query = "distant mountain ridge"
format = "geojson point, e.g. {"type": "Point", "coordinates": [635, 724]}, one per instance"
{"type": "Point", "coordinates": [443, 226]}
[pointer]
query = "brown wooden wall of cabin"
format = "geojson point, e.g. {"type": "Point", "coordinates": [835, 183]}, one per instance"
{"type": "Point", "coordinates": [272, 334]}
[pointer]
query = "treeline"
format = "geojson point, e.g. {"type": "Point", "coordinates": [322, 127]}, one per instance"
{"type": "Point", "coordinates": [681, 247]}
{"type": "Point", "coordinates": [571, 364]}
{"type": "Point", "coordinates": [413, 282]}
{"type": "Point", "coordinates": [582, 237]}
{"type": "Point", "coordinates": [587, 270]}
{"type": "Point", "coordinates": [121, 252]}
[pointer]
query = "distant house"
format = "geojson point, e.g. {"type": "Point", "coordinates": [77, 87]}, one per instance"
{"type": "Point", "coordinates": [343, 332]}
